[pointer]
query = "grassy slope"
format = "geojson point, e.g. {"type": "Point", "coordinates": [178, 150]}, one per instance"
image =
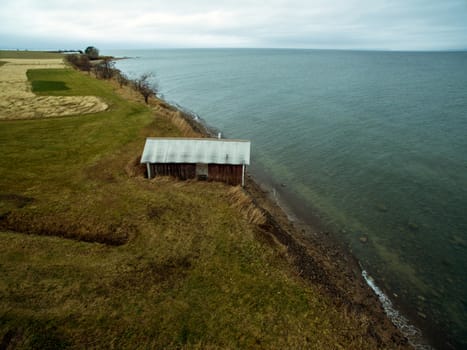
{"type": "Point", "coordinates": [191, 272]}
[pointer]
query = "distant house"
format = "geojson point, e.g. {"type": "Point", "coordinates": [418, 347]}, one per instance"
{"type": "Point", "coordinates": [203, 159]}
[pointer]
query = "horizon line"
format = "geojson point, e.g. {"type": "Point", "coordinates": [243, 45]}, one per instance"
{"type": "Point", "coordinates": [246, 48]}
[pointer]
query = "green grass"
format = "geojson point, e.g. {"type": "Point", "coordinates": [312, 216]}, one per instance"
{"type": "Point", "coordinates": [183, 268]}
{"type": "Point", "coordinates": [41, 86]}
{"type": "Point", "coordinates": [28, 54]}
{"type": "Point", "coordinates": [45, 80]}
{"type": "Point", "coordinates": [192, 276]}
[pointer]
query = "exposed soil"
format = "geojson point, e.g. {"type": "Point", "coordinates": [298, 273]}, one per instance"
{"type": "Point", "coordinates": [17, 101]}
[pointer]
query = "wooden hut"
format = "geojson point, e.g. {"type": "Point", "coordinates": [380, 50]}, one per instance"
{"type": "Point", "coordinates": [204, 159]}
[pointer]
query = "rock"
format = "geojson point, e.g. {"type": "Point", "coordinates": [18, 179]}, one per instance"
{"type": "Point", "coordinates": [363, 239]}
{"type": "Point", "coordinates": [445, 263]}
{"type": "Point", "coordinates": [413, 226]}
{"type": "Point", "coordinates": [421, 298]}
{"type": "Point", "coordinates": [458, 241]}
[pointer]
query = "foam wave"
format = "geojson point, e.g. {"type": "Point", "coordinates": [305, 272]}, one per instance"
{"type": "Point", "coordinates": [412, 333]}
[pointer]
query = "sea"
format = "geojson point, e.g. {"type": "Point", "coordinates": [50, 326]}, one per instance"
{"type": "Point", "coordinates": [371, 144]}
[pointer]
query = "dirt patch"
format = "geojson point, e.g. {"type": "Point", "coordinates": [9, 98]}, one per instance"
{"type": "Point", "coordinates": [17, 101]}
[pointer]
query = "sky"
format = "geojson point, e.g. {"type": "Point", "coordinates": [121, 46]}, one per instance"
{"type": "Point", "coordinates": [321, 24]}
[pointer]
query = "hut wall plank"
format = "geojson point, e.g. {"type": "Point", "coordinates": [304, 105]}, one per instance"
{"type": "Point", "coordinates": [230, 174]}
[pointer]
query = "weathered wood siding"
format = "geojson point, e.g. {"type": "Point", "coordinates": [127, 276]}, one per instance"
{"type": "Point", "coordinates": [180, 170]}
{"type": "Point", "coordinates": [230, 174]}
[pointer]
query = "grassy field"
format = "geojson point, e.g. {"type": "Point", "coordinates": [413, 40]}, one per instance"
{"type": "Point", "coordinates": [29, 54]}
{"type": "Point", "coordinates": [92, 255]}
{"type": "Point", "coordinates": [60, 82]}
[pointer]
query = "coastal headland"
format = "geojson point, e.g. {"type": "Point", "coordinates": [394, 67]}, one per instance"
{"type": "Point", "coordinates": [93, 254]}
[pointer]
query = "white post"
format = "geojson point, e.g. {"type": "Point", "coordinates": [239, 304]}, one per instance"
{"type": "Point", "coordinates": [148, 166]}
{"type": "Point", "coordinates": [243, 175]}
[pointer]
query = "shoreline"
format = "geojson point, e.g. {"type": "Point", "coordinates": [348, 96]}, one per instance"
{"type": "Point", "coordinates": [319, 257]}
{"type": "Point", "coordinates": [342, 274]}
{"type": "Point", "coordinates": [316, 253]}
{"type": "Point", "coordinates": [306, 220]}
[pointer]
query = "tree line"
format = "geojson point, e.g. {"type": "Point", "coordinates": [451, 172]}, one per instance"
{"type": "Point", "coordinates": [103, 67]}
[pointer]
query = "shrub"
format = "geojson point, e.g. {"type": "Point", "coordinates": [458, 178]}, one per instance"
{"type": "Point", "coordinates": [79, 61]}
{"type": "Point", "coordinates": [92, 53]}
{"type": "Point", "coordinates": [144, 87]}
{"type": "Point", "coordinates": [105, 69]}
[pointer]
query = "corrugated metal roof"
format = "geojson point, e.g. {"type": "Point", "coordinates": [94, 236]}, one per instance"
{"type": "Point", "coordinates": [207, 151]}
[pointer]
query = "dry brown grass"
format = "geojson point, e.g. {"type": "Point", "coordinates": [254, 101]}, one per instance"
{"type": "Point", "coordinates": [66, 225]}
{"type": "Point", "coordinates": [162, 109]}
{"type": "Point", "coordinates": [177, 119]}
{"type": "Point", "coordinates": [245, 204]}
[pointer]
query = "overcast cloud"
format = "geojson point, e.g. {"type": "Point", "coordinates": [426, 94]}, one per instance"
{"type": "Point", "coordinates": [340, 24]}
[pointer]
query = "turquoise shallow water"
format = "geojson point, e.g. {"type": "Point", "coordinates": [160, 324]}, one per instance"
{"type": "Point", "coordinates": [373, 143]}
